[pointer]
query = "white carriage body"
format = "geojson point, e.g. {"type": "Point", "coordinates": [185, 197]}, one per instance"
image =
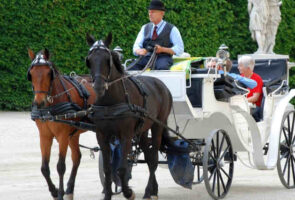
{"type": "Point", "coordinates": [233, 116]}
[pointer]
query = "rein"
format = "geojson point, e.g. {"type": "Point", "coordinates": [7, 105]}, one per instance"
{"type": "Point", "coordinates": [148, 65]}
{"type": "Point", "coordinates": [108, 83]}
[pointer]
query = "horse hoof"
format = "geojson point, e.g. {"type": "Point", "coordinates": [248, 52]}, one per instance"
{"type": "Point", "coordinates": [69, 197]}
{"type": "Point", "coordinates": [132, 196]}
{"type": "Point", "coordinates": [154, 197]}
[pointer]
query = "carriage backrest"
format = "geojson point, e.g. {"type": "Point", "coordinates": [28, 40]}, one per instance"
{"type": "Point", "coordinates": [270, 70]}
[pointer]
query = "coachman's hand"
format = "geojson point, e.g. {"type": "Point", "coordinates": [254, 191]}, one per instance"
{"type": "Point", "coordinates": [141, 52]}
{"type": "Point", "coordinates": [159, 49]}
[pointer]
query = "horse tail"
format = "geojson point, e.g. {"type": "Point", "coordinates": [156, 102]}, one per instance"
{"type": "Point", "coordinates": [166, 140]}
{"type": "Point", "coordinates": [168, 144]}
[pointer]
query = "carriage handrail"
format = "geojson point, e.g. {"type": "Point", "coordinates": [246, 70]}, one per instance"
{"type": "Point", "coordinates": [241, 88]}
{"type": "Point", "coordinates": [279, 88]}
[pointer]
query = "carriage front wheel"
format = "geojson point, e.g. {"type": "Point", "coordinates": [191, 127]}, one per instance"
{"type": "Point", "coordinates": [286, 158]}
{"type": "Point", "coordinates": [218, 163]}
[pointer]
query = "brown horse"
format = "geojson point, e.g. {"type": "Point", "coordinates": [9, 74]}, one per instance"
{"type": "Point", "coordinates": [118, 107]}
{"type": "Point", "coordinates": [51, 89]}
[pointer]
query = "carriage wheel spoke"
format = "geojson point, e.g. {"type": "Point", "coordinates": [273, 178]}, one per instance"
{"type": "Point", "coordinates": [226, 174]}
{"type": "Point", "coordinates": [285, 167]}
{"type": "Point", "coordinates": [223, 154]}
{"type": "Point", "coordinates": [213, 148]}
{"type": "Point", "coordinates": [212, 174]}
{"type": "Point", "coordinates": [214, 178]}
{"type": "Point", "coordinates": [218, 184]}
{"type": "Point", "coordinates": [221, 144]}
{"type": "Point", "coordinates": [292, 128]}
{"type": "Point", "coordinates": [217, 144]}
{"type": "Point", "coordinates": [293, 172]}
{"type": "Point", "coordinates": [210, 154]}
{"type": "Point", "coordinates": [289, 169]}
{"type": "Point", "coordinates": [285, 134]}
{"type": "Point", "coordinates": [283, 156]}
{"type": "Point", "coordinates": [288, 120]}
{"type": "Point", "coordinates": [223, 185]}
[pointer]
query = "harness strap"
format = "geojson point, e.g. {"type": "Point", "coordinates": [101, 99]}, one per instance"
{"type": "Point", "coordinates": [82, 90]}
{"type": "Point", "coordinates": [65, 88]}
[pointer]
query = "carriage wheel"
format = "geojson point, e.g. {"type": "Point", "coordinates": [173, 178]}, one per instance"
{"type": "Point", "coordinates": [218, 164]}
{"type": "Point", "coordinates": [286, 158]}
{"type": "Point", "coordinates": [116, 185]}
{"type": "Point", "coordinates": [199, 173]}
{"type": "Point", "coordinates": [197, 161]}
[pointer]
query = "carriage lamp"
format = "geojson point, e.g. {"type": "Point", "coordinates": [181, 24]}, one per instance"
{"type": "Point", "coordinates": [223, 55]}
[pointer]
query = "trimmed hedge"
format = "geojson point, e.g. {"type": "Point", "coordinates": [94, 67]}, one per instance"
{"type": "Point", "coordinates": [61, 26]}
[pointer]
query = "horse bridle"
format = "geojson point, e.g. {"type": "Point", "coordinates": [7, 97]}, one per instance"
{"type": "Point", "coordinates": [100, 45]}
{"type": "Point", "coordinates": [41, 61]}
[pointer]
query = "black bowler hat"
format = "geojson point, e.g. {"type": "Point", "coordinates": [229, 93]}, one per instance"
{"type": "Point", "coordinates": [156, 5]}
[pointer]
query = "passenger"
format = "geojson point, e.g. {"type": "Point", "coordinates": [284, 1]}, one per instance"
{"type": "Point", "coordinates": [246, 66]}
{"type": "Point", "coordinates": [158, 33]}
{"type": "Point", "coordinates": [246, 81]}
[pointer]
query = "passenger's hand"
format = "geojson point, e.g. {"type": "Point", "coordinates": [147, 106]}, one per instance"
{"type": "Point", "coordinates": [141, 52]}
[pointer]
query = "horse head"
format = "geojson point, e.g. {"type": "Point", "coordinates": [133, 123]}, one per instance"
{"type": "Point", "coordinates": [104, 64]}
{"type": "Point", "coordinates": [41, 73]}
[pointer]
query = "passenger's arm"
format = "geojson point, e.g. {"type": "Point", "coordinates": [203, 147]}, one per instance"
{"type": "Point", "coordinates": [246, 81]}
{"type": "Point", "coordinates": [254, 98]}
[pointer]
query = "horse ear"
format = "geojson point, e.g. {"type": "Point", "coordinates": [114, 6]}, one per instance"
{"type": "Point", "coordinates": [108, 40]}
{"type": "Point", "coordinates": [90, 39]}
{"type": "Point", "coordinates": [31, 54]}
{"type": "Point", "coordinates": [46, 54]}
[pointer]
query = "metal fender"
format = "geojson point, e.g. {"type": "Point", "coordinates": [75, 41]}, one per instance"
{"type": "Point", "coordinates": [275, 129]}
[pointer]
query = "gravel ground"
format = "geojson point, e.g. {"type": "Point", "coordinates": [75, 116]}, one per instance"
{"type": "Point", "coordinates": [21, 178]}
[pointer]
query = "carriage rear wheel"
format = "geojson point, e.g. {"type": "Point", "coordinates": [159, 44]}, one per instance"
{"type": "Point", "coordinates": [218, 164]}
{"type": "Point", "coordinates": [286, 158]}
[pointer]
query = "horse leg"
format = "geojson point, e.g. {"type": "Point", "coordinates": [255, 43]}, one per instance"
{"type": "Point", "coordinates": [45, 144]}
{"type": "Point", "coordinates": [106, 155]}
{"type": "Point", "coordinates": [145, 145]}
{"type": "Point", "coordinates": [126, 146]}
{"type": "Point", "coordinates": [61, 165]}
{"type": "Point", "coordinates": [151, 156]}
{"type": "Point", "coordinates": [76, 158]}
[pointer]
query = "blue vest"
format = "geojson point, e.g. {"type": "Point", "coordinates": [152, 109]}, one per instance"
{"type": "Point", "coordinates": [163, 39]}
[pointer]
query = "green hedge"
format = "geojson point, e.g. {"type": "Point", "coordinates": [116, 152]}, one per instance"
{"type": "Point", "coordinates": [61, 26]}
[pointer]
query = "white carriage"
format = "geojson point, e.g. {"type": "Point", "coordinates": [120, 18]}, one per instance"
{"type": "Point", "coordinates": [229, 127]}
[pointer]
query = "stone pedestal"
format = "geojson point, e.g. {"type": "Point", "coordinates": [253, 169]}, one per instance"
{"type": "Point", "coordinates": [266, 56]}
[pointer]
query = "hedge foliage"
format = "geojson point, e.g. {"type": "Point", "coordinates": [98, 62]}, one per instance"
{"type": "Point", "coordinates": [61, 26]}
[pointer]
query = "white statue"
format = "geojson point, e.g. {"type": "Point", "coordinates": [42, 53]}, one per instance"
{"type": "Point", "coordinates": [272, 25]}
{"type": "Point", "coordinates": [258, 11]}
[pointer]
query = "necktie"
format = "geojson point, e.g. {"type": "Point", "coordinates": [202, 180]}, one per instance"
{"type": "Point", "coordinates": [155, 35]}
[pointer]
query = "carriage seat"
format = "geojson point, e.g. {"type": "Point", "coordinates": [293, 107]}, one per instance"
{"type": "Point", "coordinates": [272, 72]}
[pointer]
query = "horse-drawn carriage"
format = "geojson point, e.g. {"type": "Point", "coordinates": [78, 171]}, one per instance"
{"type": "Point", "coordinates": [213, 121]}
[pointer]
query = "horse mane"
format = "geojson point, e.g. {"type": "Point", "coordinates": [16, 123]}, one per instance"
{"type": "Point", "coordinates": [117, 62]}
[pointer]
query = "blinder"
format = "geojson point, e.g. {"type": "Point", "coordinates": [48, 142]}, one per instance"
{"type": "Point", "coordinates": [100, 45]}
{"type": "Point", "coordinates": [40, 61]}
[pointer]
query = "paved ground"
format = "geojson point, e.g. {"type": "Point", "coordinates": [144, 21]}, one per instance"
{"type": "Point", "coordinates": [21, 179]}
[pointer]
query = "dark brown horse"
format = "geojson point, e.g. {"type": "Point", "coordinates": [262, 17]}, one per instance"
{"type": "Point", "coordinates": [120, 99]}
{"type": "Point", "coordinates": [51, 89]}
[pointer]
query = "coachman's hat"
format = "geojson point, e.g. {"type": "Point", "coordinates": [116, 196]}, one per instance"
{"type": "Point", "coordinates": [156, 5]}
